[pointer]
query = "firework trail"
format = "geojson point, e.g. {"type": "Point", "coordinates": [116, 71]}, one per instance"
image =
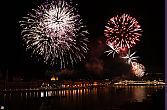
{"type": "Point", "coordinates": [130, 57]}
{"type": "Point", "coordinates": [137, 68]}
{"type": "Point", "coordinates": [112, 49]}
{"type": "Point", "coordinates": [122, 32]}
{"type": "Point", "coordinates": [55, 32]}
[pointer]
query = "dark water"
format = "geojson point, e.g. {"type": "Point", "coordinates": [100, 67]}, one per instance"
{"type": "Point", "coordinates": [100, 98]}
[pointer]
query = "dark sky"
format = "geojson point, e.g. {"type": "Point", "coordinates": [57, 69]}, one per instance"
{"type": "Point", "coordinates": [149, 13]}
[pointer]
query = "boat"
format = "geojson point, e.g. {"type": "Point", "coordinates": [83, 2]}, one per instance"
{"type": "Point", "coordinates": [131, 82]}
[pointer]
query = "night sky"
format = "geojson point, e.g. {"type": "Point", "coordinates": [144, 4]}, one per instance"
{"type": "Point", "coordinates": [149, 13]}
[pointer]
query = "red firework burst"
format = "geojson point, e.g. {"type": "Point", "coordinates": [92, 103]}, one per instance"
{"type": "Point", "coordinates": [122, 32]}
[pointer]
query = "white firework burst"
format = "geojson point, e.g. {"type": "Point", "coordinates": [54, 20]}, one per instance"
{"type": "Point", "coordinates": [112, 51]}
{"type": "Point", "coordinates": [56, 32]}
{"type": "Point", "coordinates": [130, 57]}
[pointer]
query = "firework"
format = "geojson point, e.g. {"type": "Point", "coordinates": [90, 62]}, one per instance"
{"type": "Point", "coordinates": [112, 50]}
{"type": "Point", "coordinates": [123, 32]}
{"type": "Point", "coordinates": [130, 57]}
{"type": "Point", "coordinates": [55, 32]}
{"type": "Point", "coordinates": [138, 69]}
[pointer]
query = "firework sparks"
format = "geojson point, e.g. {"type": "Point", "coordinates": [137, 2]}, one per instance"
{"type": "Point", "coordinates": [138, 69]}
{"type": "Point", "coordinates": [55, 32]}
{"type": "Point", "coordinates": [130, 57]}
{"type": "Point", "coordinates": [112, 50]}
{"type": "Point", "coordinates": [123, 32]}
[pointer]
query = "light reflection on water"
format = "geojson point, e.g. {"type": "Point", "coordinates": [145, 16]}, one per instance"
{"type": "Point", "coordinates": [139, 94]}
{"type": "Point", "coordinates": [71, 92]}
{"type": "Point", "coordinates": [90, 98]}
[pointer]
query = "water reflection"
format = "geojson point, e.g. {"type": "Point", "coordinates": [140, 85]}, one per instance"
{"type": "Point", "coordinates": [139, 94]}
{"type": "Point", "coordinates": [88, 98]}
{"type": "Point", "coordinates": [75, 92]}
